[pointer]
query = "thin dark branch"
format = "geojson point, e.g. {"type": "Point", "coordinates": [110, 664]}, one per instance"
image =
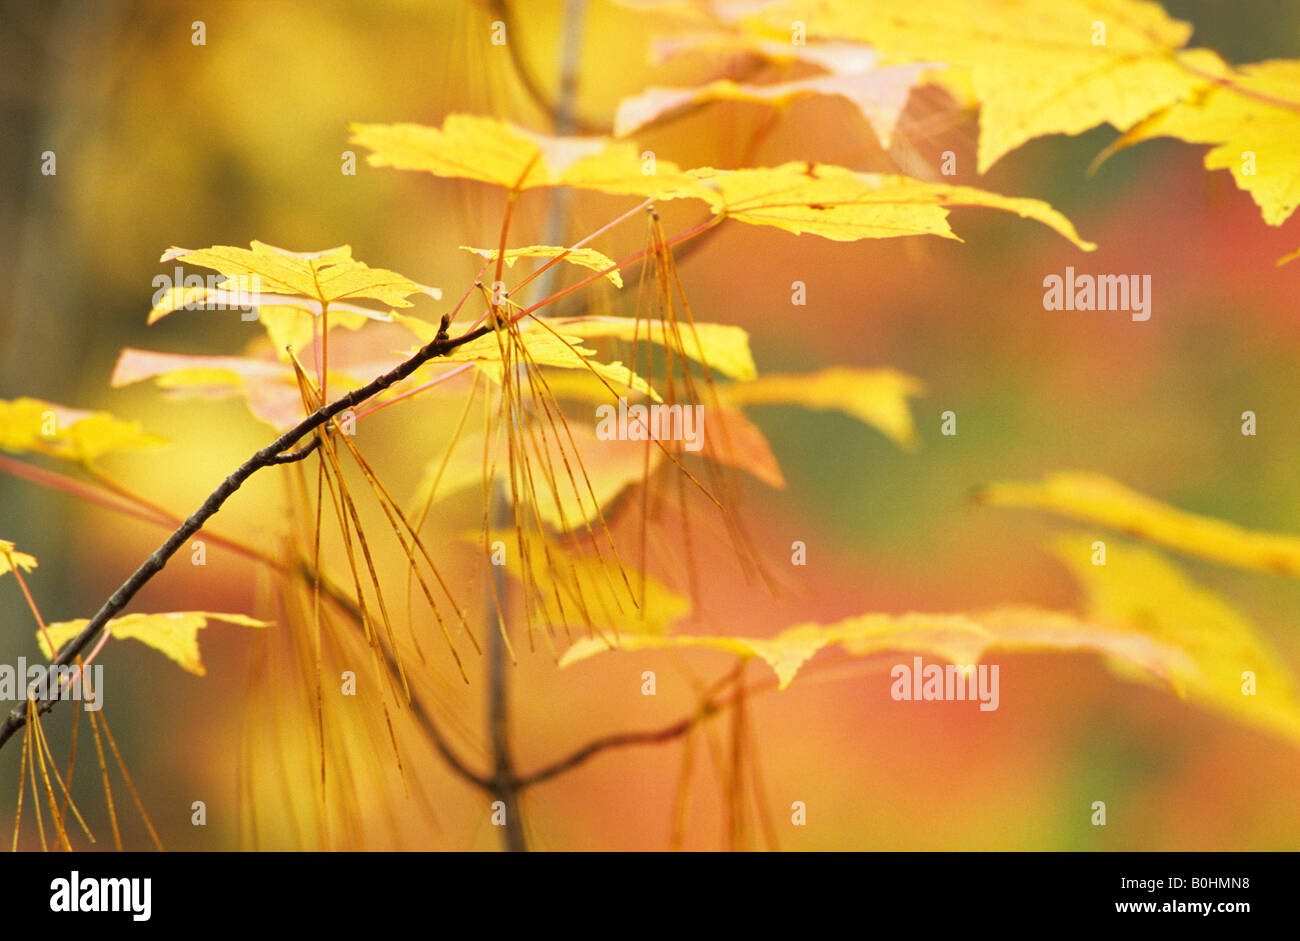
{"type": "Point", "coordinates": [267, 457]}
{"type": "Point", "coordinates": [422, 715]}
{"type": "Point", "coordinates": [710, 705]}
{"type": "Point", "coordinates": [288, 457]}
{"type": "Point", "coordinates": [440, 742]}
{"type": "Point", "coordinates": [302, 569]}
{"type": "Point", "coordinates": [423, 718]}
{"type": "Point", "coordinates": [713, 703]}
{"type": "Point", "coordinates": [617, 740]}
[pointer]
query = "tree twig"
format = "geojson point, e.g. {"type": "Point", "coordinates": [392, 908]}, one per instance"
{"type": "Point", "coordinates": [709, 705]}
{"type": "Point", "coordinates": [617, 740]}
{"type": "Point", "coordinates": [423, 717]}
{"type": "Point", "coordinates": [269, 456]}
{"type": "Point", "coordinates": [288, 457]}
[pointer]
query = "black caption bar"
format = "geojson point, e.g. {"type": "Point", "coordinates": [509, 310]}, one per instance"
{"type": "Point", "coordinates": [139, 892]}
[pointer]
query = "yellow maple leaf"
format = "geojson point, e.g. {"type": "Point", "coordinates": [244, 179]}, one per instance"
{"type": "Point", "coordinates": [607, 469]}
{"type": "Point", "coordinates": [288, 291]}
{"type": "Point", "coordinates": [583, 257]}
{"type": "Point", "coordinates": [324, 277]}
{"type": "Point", "coordinates": [1218, 646]}
{"type": "Point", "coordinates": [825, 200]}
{"type": "Point", "coordinates": [491, 151]}
{"type": "Point", "coordinates": [293, 328]}
{"type": "Point", "coordinates": [175, 634]}
{"type": "Point", "coordinates": [11, 558]}
{"type": "Point", "coordinates": [1094, 498]}
{"type": "Point", "coordinates": [725, 348]}
{"type": "Point", "coordinates": [878, 93]}
{"type": "Point", "coordinates": [1145, 618]}
{"type": "Point", "coordinates": [962, 639]}
{"type": "Point", "coordinates": [290, 322]}
{"type": "Point", "coordinates": [545, 348]}
{"type": "Point", "coordinates": [268, 386]}
{"type": "Point", "coordinates": [34, 425]}
{"type": "Point", "coordinates": [581, 591]}
{"type": "Point", "coordinates": [955, 637]}
{"type": "Point", "coordinates": [1037, 66]}
{"type": "Point", "coordinates": [878, 397]}
{"type": "Point", "coordinates": [728, 437]}
{"type": "Point", "coordinates": [843, 205]}
{"type": "Point", "coordinates": [1252, 115]}
{"type": "Point", "coordinates": [457, 469]}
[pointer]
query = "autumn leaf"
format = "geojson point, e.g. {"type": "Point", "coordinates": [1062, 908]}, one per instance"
{"type": "Point", "coordinates": [730, 438]}
{"type": "Point", "coordinates": [457, 469]}
{"type": "Point", "coordinates": [961, 639]}
{"type": "Point", "coordinates": [583, 257]}
{"type": "Point", "coordinates": [952, 636]}
{"type": "Point", "coordinates": [1094, 498]}
{"type": "Point", "coordinates": [545, 347]}
{"type": "Point", "coordinates": [1139, 587]}
{"type": "Point", "coordinates": [843, 205]}
{"type": "Point", "coordinates": [880, 102]}
{"type": "Point", "coordinates": [268, 386]}
{"type": "Point", "coordinates": [199, 297]}
{"type": "Point", "coordinates": [585, 591]}
{"type": "Point", "coordinates": [176, 634]}
{"type": "Point", "coordinates": [821, 199]}
{"type": "Point", "coordinates": [324, 277]}
{"type": "Point", "coordinates": [1252, 116]}
{"type": "Point", "coordinates": [37, 426]}
{"type": "Point", "coordinates": [292, 323]}
{"type": "Point", "coordinates": [833, 57]}
{"type": "Point", "coordinates": [300, 287]}
{"type": "Point", "coordinates": [878, 92]}
{"type": "Point", "coordinates": [878, 397]}
{"type": "Point", "coordinates": [608, 468]}
{"type": "Point", "coordinates": [723, 347]}
{"type": "Point", "coordinates": [295, 328]}
{"type": "Point", "coordinates": [491, 151]}
{"type": "Point", "coordinates": [11, 558]}
{"type": "Point", "coordinates": [1145, 618]}
{"type": "Point", "coordinates": [1037, 66]}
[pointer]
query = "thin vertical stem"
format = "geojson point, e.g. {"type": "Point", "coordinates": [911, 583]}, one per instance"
{"type": "Point", "coordinates": [570, 51]}
{"type": "Point", "coordinates": [504, 780]}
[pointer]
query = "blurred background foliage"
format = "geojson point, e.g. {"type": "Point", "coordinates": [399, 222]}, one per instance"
{"type": "Point", "coordinates": [160, 142]}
